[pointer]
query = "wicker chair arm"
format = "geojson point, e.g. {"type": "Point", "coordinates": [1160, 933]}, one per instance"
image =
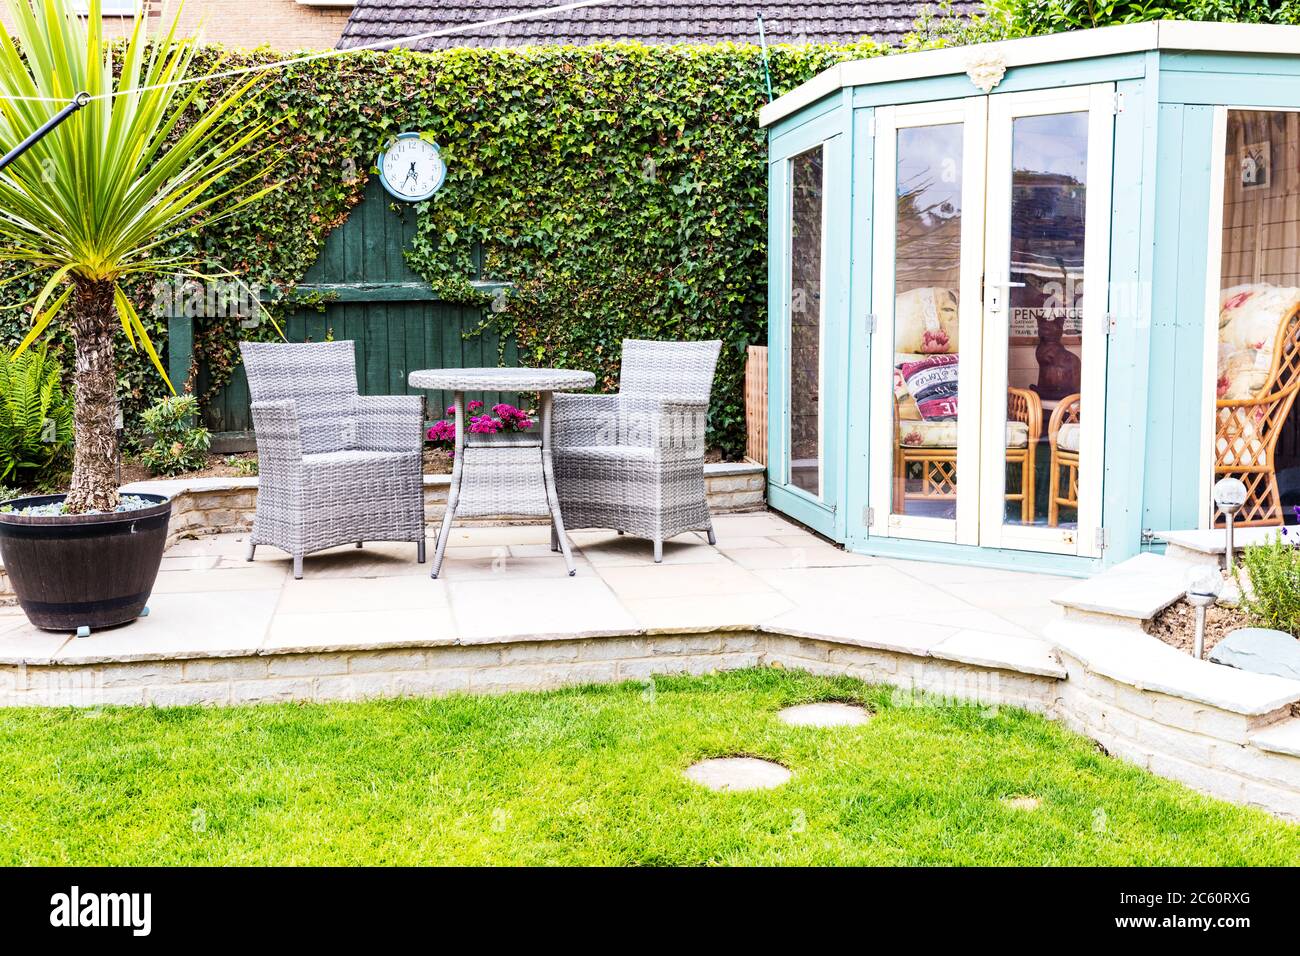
{"type": "Point", "coordinates": [583, 420]}
{"type": "Point", "coordinates": [390, 422]}
{"type": "Point", "coordinates": [1024, 405]}
{"type": "Point", "coordinates": [680, 427]}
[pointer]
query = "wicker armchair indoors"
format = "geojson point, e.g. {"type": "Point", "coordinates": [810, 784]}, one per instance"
{"type": "Point", "coordinates": [634, 461]}
{"type": "Point", "coordinates": [335, 466]}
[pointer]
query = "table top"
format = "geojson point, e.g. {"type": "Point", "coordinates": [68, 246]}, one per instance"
{"type": "Point", "coordinates": [501, 379]}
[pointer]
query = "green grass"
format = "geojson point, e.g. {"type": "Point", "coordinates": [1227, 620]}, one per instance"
{"type": "Point", "coordinates": [594, 775]}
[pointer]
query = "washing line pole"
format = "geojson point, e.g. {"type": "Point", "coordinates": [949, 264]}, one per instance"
{"type": "Point", "coordinates": [76, 103]}
{"type": "Point", "coordinates": [767, 70]}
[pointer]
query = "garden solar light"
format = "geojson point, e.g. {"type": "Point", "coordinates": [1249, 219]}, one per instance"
{"type": "Point", "coordinates": [1203, 584]}
{"type": "Point", "coordinates": [1229, 496]}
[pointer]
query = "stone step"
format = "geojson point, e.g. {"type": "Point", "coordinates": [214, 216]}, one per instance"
{"type": "Point", "coordinates": [1130, 593]}
{"type": "Point", "coordinates": [1281, 738]}
{"type": "Point", "coordinates": [1209, 545]}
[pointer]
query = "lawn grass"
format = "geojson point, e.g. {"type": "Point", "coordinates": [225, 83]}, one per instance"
{"type": "Point", "coordinates": [594, 776]}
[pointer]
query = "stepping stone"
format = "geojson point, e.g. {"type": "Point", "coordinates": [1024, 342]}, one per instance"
{"type": "Point", "coordinates": [824, 714]}
{"type": "Point", "coordinates": [738, 773]}
{"type": "Point", "coordinates": [1022, 803]}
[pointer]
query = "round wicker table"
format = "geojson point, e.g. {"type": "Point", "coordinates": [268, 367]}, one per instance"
{"type": "Point", "coordinates": [508, 473]}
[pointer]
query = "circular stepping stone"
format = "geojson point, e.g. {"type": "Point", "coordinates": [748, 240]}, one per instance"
{"type": "Point", "coordinates": [1022, 803]}
{"type": "Point", "coordinates": [824, 714]}
{"type": "Point", "coordinates": [738, 773]}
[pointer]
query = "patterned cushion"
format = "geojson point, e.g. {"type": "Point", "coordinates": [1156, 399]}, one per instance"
{"type": "Point", "coordinates": [944, 434]}
{"type": "Point", "coordinates": [1250, 317]}
{"type": "Point", "coordinates": [932, 383]}
{"type": "Point", "coordinates": [1067, 437]}
{"type": "Point", "coordinates": [925, 322]}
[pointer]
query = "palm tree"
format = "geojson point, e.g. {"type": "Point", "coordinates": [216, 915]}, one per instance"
{"type": "Point", "coordinates": [102, 198]}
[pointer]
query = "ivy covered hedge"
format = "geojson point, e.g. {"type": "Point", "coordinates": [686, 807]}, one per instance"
{"type": "Point", "coordinates": [621, 188]}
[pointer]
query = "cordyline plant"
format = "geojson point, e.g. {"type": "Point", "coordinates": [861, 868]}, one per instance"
{"type": "Point", "coordinates": [98, 200]}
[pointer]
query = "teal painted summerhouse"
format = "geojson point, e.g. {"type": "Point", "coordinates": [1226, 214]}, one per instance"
{"type": "Point", "coordinates": [1029, 300]}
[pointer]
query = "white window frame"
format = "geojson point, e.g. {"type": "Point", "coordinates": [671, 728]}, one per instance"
{"type": "Point", "coordinates": [1098, 101]}
{"type": "Point", "coordinates": [788, 280]}
{"type": "Point", "coordinates": [971, 114]}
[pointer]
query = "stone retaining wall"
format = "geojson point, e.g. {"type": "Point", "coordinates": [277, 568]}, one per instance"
{"type": "Point", "coordinates": [215, 505]}
{"type": "Point", "coordinates": [1209, 749]}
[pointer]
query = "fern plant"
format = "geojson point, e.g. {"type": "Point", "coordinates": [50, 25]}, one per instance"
{"type": "Point", "coordinates": [35, 418]}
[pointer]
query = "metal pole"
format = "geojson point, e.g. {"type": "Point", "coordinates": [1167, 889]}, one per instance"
{"type": "Point", "coordinates": [77, 102]}
{"type": "Point", "coordinates": [767, 70]}
{"type": "Point", "coordinates": [1229, 515]}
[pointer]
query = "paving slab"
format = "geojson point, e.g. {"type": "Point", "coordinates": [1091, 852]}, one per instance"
{"type": "Point", "coordinates": [1001, 651]}
{"type": "Point", "coordinates": [326, 595]}
{"type": "Point", "coordinates": [570, 607]}
{"type": "Point", "coordinates": [1139, 588]}
{"type": "Point", "coordinates": [681, 581]}
{"type": "Point", "coordinates": [184, 625]}
{"type": "Point", "coordinates": [305, 633]}
{"type": "Point", "coordinates": [721, 611]}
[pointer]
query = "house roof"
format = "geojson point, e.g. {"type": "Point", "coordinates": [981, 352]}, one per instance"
{"type": "Point", "coordinates": [646, 21]}
{"type": "Point", "coordinates": [1165, 35]}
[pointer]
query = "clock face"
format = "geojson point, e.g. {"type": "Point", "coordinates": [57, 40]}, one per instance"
{"type": "Point", "coordinates": [412, 169]}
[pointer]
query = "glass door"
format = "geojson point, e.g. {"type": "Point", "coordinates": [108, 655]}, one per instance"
{"type": "Point", "coordinates": [926, 342]}
{"type": "Point", "coordinates": [1045, 319]}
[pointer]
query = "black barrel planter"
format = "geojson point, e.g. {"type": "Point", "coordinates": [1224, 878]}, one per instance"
{"type": "Point", "coordinates": [83, 571]}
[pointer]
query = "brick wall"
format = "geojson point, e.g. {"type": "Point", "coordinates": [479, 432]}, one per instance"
{"type": "Point", "coordinates": [279, 24]}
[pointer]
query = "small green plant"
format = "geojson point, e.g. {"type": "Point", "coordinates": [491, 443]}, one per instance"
{"type": "Point", "coordinates": [244, 465]}
{"type": "Point", "coordinates": [35, 418]}
{"type": "Point", "coordinates": [178, 444]}
{"type": "Point", "coordinates": [1273, 596]}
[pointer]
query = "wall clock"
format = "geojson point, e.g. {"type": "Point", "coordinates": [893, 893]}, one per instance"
{"type": "Point", "coordinates": [411, 168]}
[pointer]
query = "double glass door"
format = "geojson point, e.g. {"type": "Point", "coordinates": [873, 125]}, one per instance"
{"type": "Point", "coordinates": [989, 299]}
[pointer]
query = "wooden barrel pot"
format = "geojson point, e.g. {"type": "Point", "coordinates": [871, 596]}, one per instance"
{"type": "Point", "coordinates": [83, 571]}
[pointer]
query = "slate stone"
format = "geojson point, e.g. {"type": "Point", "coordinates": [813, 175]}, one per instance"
{"type": "Point", "coordinates": [1261, 651]}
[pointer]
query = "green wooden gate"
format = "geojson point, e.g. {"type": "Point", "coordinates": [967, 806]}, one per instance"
{"type": "Point", "coordinates": [374, 299]}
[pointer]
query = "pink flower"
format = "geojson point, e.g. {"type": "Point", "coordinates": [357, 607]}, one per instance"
{"type": "Point", "coordinates": [475, 405]}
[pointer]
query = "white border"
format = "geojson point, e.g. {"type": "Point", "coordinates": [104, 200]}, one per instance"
{"type": "Point", "coordinates": [1213, 286]}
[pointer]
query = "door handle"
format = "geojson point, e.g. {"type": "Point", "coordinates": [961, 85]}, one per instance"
{"type": "Point", "coordinates": [994, 295]}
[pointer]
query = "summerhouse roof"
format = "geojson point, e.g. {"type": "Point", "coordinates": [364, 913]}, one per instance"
{"type": "Point", "coordinates": [646, 21]}
{"type": "Point", "coordinates": [1172, 35]}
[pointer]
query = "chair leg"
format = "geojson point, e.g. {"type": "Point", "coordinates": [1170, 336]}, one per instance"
{"type": "Point", "coordinates": [659, 550]}
{"type": "Point", "coordinates": [555, 538]}
{"type": "Point", "coordinates": [359, 543]}
{"type": "Point", "coordinates": [419, 551]}
{"type": "Point", "coordinates": [713, 538]}
{"type": "Point", "coordinates": [252, 549]}
{"type": "Point", "coordinates": [1054, 492]}
{"type": "Point", "coordinates": [297, 567]}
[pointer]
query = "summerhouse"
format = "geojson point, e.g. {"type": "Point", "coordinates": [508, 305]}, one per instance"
{"type": "Point", "coordinates": [1030, 299]}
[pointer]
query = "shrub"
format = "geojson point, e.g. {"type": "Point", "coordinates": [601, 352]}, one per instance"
{"type": "Point", "coordinates": [178, 445]}
{"type": "Point", "coordinates": [244, 465]}
{"type": "Point", "coordinates": [1273, 596]}
{"type": "Point", "coordinates": [35, 418]}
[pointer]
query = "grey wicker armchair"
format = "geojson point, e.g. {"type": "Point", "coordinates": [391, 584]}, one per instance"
{"type": "Point", "coordinates": [334, 466]}
{"type": "Point", "coordinates": [634, 461]}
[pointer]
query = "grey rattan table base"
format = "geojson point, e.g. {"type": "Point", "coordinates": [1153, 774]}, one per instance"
{"type": "Point", "coordinates": [506, 473]}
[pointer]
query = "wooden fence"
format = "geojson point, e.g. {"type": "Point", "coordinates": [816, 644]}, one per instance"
{"type": "Point", "coordinates": [756, 404]}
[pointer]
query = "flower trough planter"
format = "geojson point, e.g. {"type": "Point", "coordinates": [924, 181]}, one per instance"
{"type": "Point", "coordinates": [83, 572]}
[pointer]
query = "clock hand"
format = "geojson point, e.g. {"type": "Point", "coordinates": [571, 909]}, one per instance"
{"type": "Point", "coordinates": [412, 174]}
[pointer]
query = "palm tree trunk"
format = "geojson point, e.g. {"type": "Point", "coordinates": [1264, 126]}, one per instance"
{"type": "Point", "coordinates": [94, 464]}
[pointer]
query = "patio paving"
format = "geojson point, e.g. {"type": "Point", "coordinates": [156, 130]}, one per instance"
{"type": "Point", "coordinates": [502, 584]}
